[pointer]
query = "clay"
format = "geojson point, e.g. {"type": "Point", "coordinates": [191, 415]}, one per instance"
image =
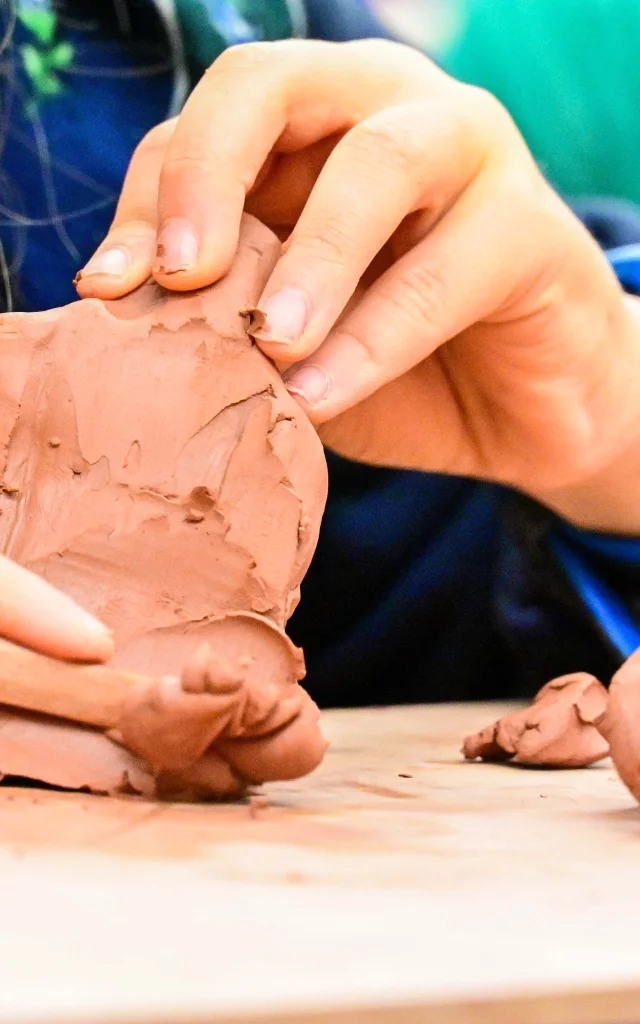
{"type": "Point", "coordinates": [155, 468]}
{"type": "Point", "coordinates": [558, 730]}
{"type": "Point", "coordinates": [256, 319]}
{"type": "Point", "coordinates": [66, 754]}
{"type": "Point", "coordinates": [620, 723]}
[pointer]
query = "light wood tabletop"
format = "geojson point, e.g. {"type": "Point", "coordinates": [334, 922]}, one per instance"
{"type": "Point", "coordinates": [396, 885]}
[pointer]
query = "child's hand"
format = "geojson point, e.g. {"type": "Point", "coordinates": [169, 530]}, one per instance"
{"type": "Point", "coordinates": [34, 614]}
{"type": "Point", "coordinates": [446, 306]}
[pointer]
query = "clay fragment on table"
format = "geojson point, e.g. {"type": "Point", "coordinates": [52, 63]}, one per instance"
{"type": "Point", "coordinates": [558, 730]}
{"type": "Point", "coordinates": [620, 723]}
{"type": "Point", "coordinates": [154, 467]}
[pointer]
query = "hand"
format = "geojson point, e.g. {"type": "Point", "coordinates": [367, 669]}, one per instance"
{"type": "Point", "coordinates": [445, 309]}
{"type": "Point", "coordinates": [34, 614]}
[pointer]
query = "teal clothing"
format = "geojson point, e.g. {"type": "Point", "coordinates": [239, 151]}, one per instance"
{"type": "Point", "coordinates": [568, 72]}
{"type": "Point", "coordinates": [208, 27]}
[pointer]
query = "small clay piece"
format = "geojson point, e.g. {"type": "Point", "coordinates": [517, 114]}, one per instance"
{"type": "Point", "coordinates": [620, 723]}
{"type": "Point", "coordinates": [155, 468]}
{"type": "Point", "coordinates": [194, 515]}
{"type": "Point", "coordinates": [557, 731]}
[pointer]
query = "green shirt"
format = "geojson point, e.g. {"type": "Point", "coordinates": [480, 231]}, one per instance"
{"type": "Point", "coordinates": [569, 73]}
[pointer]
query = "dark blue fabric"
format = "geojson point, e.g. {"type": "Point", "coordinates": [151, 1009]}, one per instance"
{"type": "Point", "coordinates": [615, 619]}
{"type": "Point", "coordinates": [612, 222]}
{"type": "Point", "coordinates": [423, 587]}
{"type": "Point", "coordinates": [626, 262]}
{"type": "Point", "coordinates": [575, 549]}
{"type": "Point", "coordinates": [398, 596]}
{"type": "Point", "coordinates": [62, 167]}
{"type": "Point", "coordinates": [341, 20]}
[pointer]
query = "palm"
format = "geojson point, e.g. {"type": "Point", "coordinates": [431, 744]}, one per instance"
{"type": "Point", "coordinates": [492, 403]}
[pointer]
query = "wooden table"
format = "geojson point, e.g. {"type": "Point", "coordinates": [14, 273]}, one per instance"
{"type": "Point", "coordinates": [395, 885]}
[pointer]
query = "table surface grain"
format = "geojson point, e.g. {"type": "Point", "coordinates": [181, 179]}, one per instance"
{"type": "Point", "coordinates": [395, 885]}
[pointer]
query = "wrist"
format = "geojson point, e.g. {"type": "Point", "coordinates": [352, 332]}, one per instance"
{"type": "Point", "coordinates": [608, 503]}
{"type": "Point", "coordinates": [608, 498]}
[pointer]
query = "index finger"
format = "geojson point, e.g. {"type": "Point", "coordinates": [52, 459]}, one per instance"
{"type": "Point", "coordinates": [255, 99]}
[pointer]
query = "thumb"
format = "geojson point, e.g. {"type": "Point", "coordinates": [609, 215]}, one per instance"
{"type": "Point", "coordinates": [36, 615]}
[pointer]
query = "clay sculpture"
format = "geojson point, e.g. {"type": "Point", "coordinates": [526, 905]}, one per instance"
{"type": "Point", "coordinates": [155, 468]}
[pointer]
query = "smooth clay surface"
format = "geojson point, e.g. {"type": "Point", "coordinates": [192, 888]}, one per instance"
{"type": "Point", "coordinates": [558, 730]}
{"type": "Point", "coordinates": [155, 469]}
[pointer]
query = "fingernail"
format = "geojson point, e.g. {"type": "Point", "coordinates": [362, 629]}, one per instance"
{"type": "Point", "coordinates": [91, 624]}
{"type": "Point", "coordinates": [114, 262]}
{"type": "Point", "coordinates": [310, 383]}
{"type": "Point", "coordinates": [86, 626]}
{"type": "Point", "coordinates": [178, 247]}
{"type": "Point", "coordinates": [286, 315]}
{"type": "Point", "coordinates": [103, 643]}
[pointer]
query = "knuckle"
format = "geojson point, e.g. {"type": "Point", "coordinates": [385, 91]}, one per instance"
{"type": "Point", "coordinates": [416, 295]}
{"type": "Point", "coordinates": [387, 53]}
{"type": "Point", "coordinates": [525, 191]}
{"type": "Point", "coordinates": [332, 242]}
{"type": "Point", "coordinates": [367, 341]}
{"type": "Point", "coordinates": [157, 138]}
{"type": "Point", "coordinates": [189, 165]}
{"type": "Point", "coordinates": [243, 57]}
{"type": "Point", "coordinates": [135, 227]}
{"type": "Point", "coordinates": [486, 108]}
{"type": "Point", "coordinates": [387, 140]}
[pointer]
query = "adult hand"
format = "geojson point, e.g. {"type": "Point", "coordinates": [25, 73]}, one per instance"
{"type": "Point", "coordinates": [443, 307]}
{"type": "Point", "coordinates": [34, 614]}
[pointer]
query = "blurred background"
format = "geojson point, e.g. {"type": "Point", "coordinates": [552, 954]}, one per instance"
{"type": "Point", "coordinates": [568, 71]}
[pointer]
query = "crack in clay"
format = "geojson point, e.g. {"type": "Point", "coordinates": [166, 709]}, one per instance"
{"type": "Point", "coordinates": [268, 391]}
{"type": "Point", "coordinates": [133, 457]}
{"type": "Point", "coordinates": [196, 525]}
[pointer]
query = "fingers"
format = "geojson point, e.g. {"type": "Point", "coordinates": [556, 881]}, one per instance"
{"type": "Point", "coordinates": [124, 260]}
{"type": "Point", "coordinates": [256, 98]}
{"type": "Point", "coordinates": [428, 431]}
{"type": "Point", "coordinates": [257, 101]}
{"type": "Point", "coordinates": [34, 614]}
{"type": "Point", "coordinates": [460, 274]}
{"type": "Point", "coordinates": [418, 155]}
{"type": "Point", "coordinates": [280, 197]}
